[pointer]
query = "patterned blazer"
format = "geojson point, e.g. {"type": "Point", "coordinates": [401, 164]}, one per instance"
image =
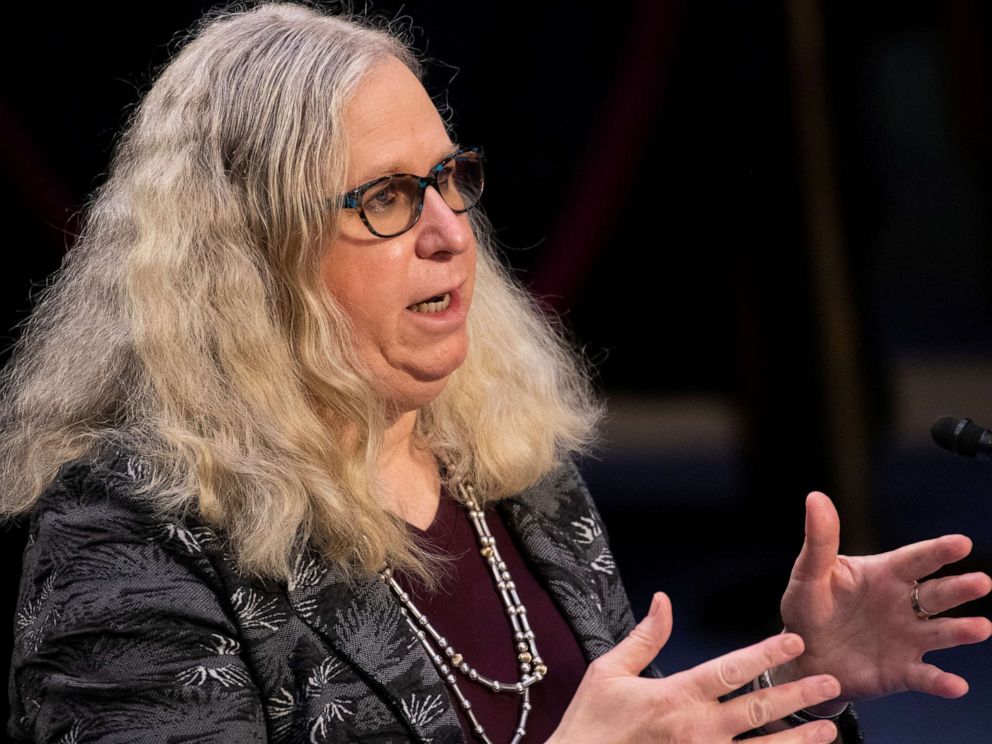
{"type": "Point", "coordinates": [131, 628]}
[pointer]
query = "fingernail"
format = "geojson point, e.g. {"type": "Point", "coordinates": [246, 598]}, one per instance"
{"type": "Point", "coordinates": [830, 687]}
{"type": "Point", "coordinates": [655, 605]}
{"type": "Point", "coordinates": [793, 645]}
{"type": "Point", "coordinates": [826, 732]}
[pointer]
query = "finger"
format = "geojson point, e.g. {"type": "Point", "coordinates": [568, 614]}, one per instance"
{"type": "Point", "coordinates": [643, 643]}
{"type": "Point", "coordinates": [729, 672]}
{"type": "Point", "coordinates": [819, 732]}
{"type": "Point", "coordinates": [819, 553]}
{"type": "Point", "coordinates": [940, 595]}
{"type": "Point", "coordinates": [948, 632]}
{"type": "Point", "coordinates": [915, 561]}
{"type": "Point", "coordinates": [756, 709]}
{"type": "Point", "coordinates": [931, 680]}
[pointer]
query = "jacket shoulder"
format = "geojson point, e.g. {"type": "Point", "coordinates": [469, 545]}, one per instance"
{"type": "Point", "coordinates": [121, 622]}
{"type": "Point", "coordinates": [560, 492]}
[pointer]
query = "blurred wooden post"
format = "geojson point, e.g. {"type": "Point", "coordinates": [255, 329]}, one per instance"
{"type": "Point", "coordinates": [846, 418]}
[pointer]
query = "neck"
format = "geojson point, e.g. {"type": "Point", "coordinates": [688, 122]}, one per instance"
{"type": "Point", "coordinates": [408, 475]}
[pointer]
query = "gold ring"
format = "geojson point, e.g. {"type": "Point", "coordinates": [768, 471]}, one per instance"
{"type": "Point", "coordinates": [917, 607]}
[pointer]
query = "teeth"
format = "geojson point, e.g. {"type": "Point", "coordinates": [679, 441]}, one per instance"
{"type": "Point", "coordinates": [432, 307]}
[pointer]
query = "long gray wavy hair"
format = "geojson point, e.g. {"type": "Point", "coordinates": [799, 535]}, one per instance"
{"type": "Point", "coordinates": [189, 323]}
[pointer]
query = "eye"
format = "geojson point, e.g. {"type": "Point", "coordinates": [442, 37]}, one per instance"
{"type": "Point", "coordinates": [446, 175]}
{"type": "Point", "coordinates": [381, 197]}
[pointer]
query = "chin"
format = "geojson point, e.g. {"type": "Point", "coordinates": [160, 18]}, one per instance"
{"type": "Point", "coordinates": [421, 387]}
{"type": "Point", "coordinates": [417, 395]}
{"type": "Point", "coordinates": [408, 387]}
{"type": "Point", "coordinates": [418, 379]}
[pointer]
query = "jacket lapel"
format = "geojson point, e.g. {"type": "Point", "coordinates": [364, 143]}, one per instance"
{"type": "Point", "coordinates": [559, 531]}
{"type": "Point", "coordinates": [362, 621]}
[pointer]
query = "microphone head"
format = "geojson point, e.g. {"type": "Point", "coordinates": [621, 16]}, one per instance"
{"type": "Point", "coordinates": [960, 436]}
{"type": "Point", "coordinates": [942, 431]}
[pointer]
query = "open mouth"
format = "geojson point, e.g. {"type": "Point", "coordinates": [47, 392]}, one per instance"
{"type": "Point", "coordinates": [435, 304]}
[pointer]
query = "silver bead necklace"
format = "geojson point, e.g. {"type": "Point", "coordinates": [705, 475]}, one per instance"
{"type": "Point", "coordinates": [532, 667]}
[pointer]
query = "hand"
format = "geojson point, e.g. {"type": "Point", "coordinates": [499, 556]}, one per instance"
{"type": "Point", "coordinates": [614, 705]}
{"type": "Point", "coordinates": [856, 616]}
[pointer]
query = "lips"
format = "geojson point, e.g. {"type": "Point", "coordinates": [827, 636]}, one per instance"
{"type": "Point", "coordinates": [439, 299]}
{"type": "Point", "coordinates": [435, 304]}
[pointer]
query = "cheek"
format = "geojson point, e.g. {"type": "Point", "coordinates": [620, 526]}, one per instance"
{"type": "Point", "coordinates": [366, 287]}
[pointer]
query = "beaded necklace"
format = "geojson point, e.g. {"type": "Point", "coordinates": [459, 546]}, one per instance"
{"type": "Point", "coordinates": [532, 667]}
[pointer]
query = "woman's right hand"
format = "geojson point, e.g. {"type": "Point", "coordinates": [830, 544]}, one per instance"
{"type": "Point", "coordinates": [613, 704]}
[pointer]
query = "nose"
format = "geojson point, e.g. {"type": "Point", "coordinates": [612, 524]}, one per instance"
{"type": "Point", "coordinates": [440, 230]}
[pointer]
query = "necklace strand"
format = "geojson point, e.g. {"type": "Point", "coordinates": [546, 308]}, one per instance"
{"type": "Point", "coordinates": [532, 667]}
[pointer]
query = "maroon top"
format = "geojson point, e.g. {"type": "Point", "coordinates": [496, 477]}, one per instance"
{"type": "Point", "coordinates": [468, 611]}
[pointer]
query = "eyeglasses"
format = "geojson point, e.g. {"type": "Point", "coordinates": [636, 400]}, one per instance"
{"type": "Point", "coordinates": [391, 205]}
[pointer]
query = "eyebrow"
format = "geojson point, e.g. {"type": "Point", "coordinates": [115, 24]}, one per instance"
{"type": "Point", "coordinates": [392, 167]}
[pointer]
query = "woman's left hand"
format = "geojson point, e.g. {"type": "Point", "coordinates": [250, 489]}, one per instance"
{"type": "Point", "coordinates": [857, 618]}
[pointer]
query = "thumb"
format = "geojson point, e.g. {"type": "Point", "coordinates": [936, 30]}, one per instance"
{"type": "Point", "coordinates": [643, 643]}
{"type": "Point", "coordinates": [819, 553]}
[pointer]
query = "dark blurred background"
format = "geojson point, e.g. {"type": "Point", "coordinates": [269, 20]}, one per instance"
{"type": "Point", "coordinates": [767, 224]}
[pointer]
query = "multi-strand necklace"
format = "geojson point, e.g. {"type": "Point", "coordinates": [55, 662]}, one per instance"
{"type": "Point", "coordinates": [447, 659]}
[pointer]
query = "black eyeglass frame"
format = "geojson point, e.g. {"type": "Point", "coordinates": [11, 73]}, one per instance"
{"type": "Point", "coordinates": [353, 198]}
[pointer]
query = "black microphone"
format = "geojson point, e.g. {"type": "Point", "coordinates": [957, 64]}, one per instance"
{"type": "Point", "coordinates": [962, 437]}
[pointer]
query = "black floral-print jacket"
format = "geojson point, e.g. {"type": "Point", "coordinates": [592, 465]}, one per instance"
{"type": "Point", "coordinates": [134, 629]}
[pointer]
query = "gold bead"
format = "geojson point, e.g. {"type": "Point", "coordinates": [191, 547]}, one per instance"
{"type": "Point", "coordinates": [524, 657]}
{"type": "Point", "coordinates": [541, 669]}
{"type": "Point", "coordinates": [457, 660]}
{"type": "Point", "coordinates": [487, 552]}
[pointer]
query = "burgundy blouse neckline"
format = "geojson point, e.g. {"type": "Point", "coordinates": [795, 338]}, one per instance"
{"type": "Point", "coordinates": [467, 610]}
{"type": "Point", "coordinates": [441, 531]}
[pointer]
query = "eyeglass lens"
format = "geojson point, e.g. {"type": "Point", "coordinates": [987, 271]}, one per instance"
{"type": "Point", "coordinates": [393, 205]}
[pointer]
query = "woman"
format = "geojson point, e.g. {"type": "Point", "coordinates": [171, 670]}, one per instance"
{"type": "Point", "coordinates": [278, 388]}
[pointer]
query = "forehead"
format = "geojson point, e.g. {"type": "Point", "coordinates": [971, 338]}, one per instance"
{"type": "Point", "coordinates": [391, 125]}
